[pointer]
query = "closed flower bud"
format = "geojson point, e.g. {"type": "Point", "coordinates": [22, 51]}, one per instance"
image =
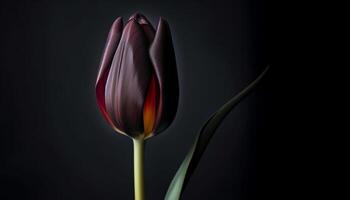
{"type": "Point", "coordinates": [137, 86]}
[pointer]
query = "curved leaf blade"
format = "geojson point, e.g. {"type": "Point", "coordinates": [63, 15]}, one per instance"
{"type": "Point", "coordinates": [202, 140]}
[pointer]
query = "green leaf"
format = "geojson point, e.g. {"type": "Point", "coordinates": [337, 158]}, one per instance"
{"type": "Point", "coordinates": [192, 158]}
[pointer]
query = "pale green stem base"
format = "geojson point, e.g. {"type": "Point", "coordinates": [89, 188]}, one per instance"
{"type": "Point", "coordinates": [138, 169]}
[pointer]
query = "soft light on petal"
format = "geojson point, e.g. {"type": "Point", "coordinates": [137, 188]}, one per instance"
{"type": "Point", "coordinates": [113, 39]}
{"type": "Point", "coordinates": [128, 80]}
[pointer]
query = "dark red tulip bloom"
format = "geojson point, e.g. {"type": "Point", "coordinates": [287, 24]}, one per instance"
{"type": "Point", "coordinates": [137, 86]}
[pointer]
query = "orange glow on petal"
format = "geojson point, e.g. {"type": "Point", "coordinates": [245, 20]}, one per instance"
{"type": "Point", "coordinates": [150, 107]}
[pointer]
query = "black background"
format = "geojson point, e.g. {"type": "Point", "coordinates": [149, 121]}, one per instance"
{"type": "Point", "coordinates": [54, 143]}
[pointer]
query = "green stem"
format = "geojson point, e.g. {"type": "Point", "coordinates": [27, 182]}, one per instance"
{"type": "Point", "coordinates": [138, 169]}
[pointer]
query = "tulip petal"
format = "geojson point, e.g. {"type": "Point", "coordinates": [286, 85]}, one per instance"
{"type": "Point", "coordinates": [164, 63]}
{"type": "Point", "coordinates": [113, 39]}
{"type": "Point", "coordinates": [128, 80]}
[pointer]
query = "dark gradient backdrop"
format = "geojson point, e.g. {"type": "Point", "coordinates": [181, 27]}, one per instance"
{"type": "Point", "coordinates": [54, 143]}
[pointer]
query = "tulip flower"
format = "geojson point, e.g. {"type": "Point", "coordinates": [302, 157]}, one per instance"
{"type": "Point", "coordinates": [137, 86]}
